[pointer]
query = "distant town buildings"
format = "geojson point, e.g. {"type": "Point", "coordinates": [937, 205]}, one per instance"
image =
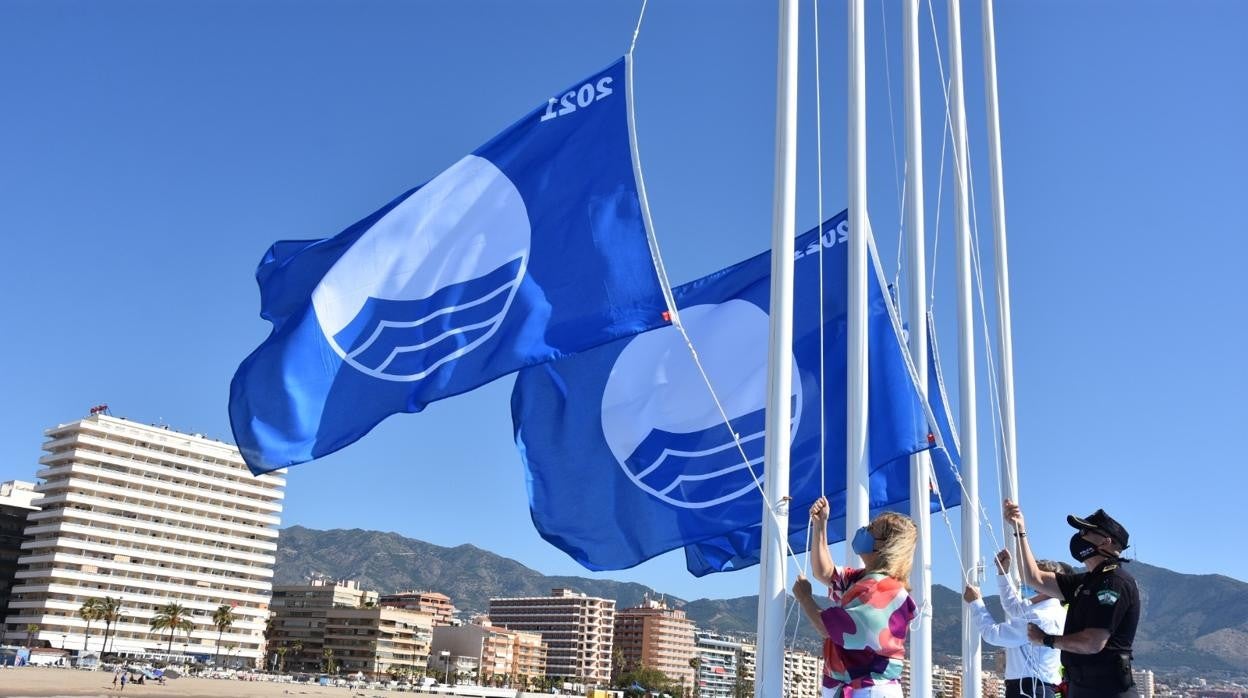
{"type": "Point", "coordinates": [576, 628]}
{"type": "Point", "coordinates": [148, 516]}
{"type": "Point", "coordinates": [655, 636]}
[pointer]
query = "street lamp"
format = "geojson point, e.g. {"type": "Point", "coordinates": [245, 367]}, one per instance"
{"type": "Point", "coordinates": [446, 662]}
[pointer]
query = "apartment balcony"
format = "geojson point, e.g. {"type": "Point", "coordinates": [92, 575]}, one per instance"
{"type": "Point", "coordinates": [91, 530]}
{"type": "Point", "coordinates": [82, 474]}
{"type": "Point", "coordinates": [69, 545]}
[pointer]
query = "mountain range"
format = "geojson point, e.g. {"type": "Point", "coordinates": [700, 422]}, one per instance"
{"type": "Point", "coordinates": [1188, 622]}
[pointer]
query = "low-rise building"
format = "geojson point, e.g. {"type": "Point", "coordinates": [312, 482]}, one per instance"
{"type": "Point", "coordinates": [300, 613]}
{"type": "Point", "coordinates": [508, 657]}
{"type": "Point", "coordinates": [377, 641]}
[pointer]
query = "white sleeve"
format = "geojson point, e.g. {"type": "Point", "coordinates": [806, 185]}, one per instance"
{"type": "Point", "coordinates": [1012, 633]}
{"type": "Point", "coordinates": [1015, 606]}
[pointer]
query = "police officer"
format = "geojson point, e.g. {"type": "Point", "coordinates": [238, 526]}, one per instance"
{"type": "Point", "coordinates": [1104, 606]}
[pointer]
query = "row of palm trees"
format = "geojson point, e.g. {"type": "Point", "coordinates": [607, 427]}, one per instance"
{"type": "Point", "coordinates": [172, 616]}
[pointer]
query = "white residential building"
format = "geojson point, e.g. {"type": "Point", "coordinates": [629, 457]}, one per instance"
{"type": "Point", "coordinates": [803, 674]}
{"type": "Point", "coordinates": [717, 666]}
{"type": "Point", "coordinates": [150, 516]}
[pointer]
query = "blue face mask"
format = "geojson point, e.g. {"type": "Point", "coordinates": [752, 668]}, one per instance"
{"type": "Point", "coordinates": [863, 542]}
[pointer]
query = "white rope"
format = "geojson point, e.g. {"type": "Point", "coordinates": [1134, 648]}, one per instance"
{"type": "Point", "coordinates": [636, 31]}
{"type": "Point", "coordinates": [899, 184]}
{"type": "Point", "coordinates": [736, 440]}
{"type": "Point", "coordinates": [823, 430]}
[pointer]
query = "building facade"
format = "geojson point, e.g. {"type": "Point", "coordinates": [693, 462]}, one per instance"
{"type": "Point", "coordinates": [502, 657]}
{"type": "Point", "coordinates": [17, 501]}
{"type": "Point", "coordinates": [377, 641]}
{"type": "Point", "coordinates": [437, 605]}
{"type": "Point", "coordinates": [803, 674]}
{"type": "Point", "coordinates": [717, 666]}
{"type": "Point", "coordinates": [300, 612]}
{"type": "Point", "coordinates": [577, 630]}
{"type": "Point", "coordinates": [657, 637]}
{"type": "Point", "coordinates": [150, 516]}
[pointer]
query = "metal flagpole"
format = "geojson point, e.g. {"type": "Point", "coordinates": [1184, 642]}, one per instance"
{"type": "Point", "coordinates": [769, 670]}
{"type": "Point", "coordinates": [971, 651]}
{"type": "Point", "coordinates": [1005, 335]}
{"type": "Point", "coordinates": [857, 500]}
{"type": "Point", "coordinates": [920, 497]}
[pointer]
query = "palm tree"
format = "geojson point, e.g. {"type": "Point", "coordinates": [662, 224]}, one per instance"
{"type": "Point", "coordinates": [695, 664]}
{"type": "Point", "coordinates": [32, 629]}
{"type": "Point", "coordinates": [328, 654]}
{"type": "Point", "coordinates": [173, 617]}
{"type": "Point", "coordinates": [281, 658]}
{"type": "Point", "coordinates": [110, 613]}
{"type": "Point", "coordinates": [296, 651]}
{"type": "Point", "coordinates": [223, 618]}
{"type": "Point", "coordinates": [89, 611]}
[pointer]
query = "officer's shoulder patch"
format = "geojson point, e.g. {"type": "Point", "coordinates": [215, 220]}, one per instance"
{"type": "Point", "coordinates": [1107, 597]}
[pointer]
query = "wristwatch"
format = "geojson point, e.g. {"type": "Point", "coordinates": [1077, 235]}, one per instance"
{"type": "Point", "coordinates": [1049, 640]}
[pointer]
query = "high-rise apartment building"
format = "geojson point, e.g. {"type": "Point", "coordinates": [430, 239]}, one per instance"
{"type": "Point", "coordinates": [150, 516]}
{"type": "Point", "coordinates": [300, 612]}
{"type": "Point", "coordinates": [657, 637]}
{"type": "Point", "coordinates": [717, 666]}
{"type": "Point", "coordinates": [437, 605]}
{"type": "Point", "coordinates": [17, 501]}
{"type": "Point", "coordinates": [576, 628]}
{"type": "Point", "coordinates": [1145, 683]}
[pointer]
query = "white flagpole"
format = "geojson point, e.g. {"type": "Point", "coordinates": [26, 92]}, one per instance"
{"type": "Point", "coordinates": [971, 652]}
{"type": "Point", "coordinates": [857, 496]}
{"type": "Point", "coordinates": [769, 669]}
{"type": "Point", "coordinates": [920, 498]}
{"type": "Point", "coordinates": [1005, 335]}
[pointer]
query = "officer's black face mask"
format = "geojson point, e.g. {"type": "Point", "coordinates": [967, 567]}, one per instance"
{"type": "Point", "coordinates": [1081, 549]}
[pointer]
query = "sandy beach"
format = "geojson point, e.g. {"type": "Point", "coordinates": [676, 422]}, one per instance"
{"type": "Point", "coordinates": [34, 681]}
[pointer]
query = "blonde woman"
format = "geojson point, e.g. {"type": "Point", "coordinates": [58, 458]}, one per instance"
{"type": "Point", "coordinates": [864, 630]}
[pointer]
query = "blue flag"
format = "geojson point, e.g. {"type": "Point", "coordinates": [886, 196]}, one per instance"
{"type": "Point", "coordinates": [533, 247]}
{"type": "Point", "coordinates": [627, 455]}
{"type": "Point", "coordinates": [740, 549]}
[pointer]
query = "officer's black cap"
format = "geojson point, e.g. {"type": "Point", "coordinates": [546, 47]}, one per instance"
{"type": "Point", "coordinates": [1100, 521]}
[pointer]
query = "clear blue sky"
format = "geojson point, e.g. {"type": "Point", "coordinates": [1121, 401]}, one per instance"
{"type": "Point", "coordinates": [151, 151]}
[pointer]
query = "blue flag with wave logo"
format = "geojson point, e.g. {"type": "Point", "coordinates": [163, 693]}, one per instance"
{"type": "Point", "coordinates": [626, 454]}
{"type": "Point", "coordinates": [533, 247]}
{"type": "Point", "coordinates": [889, 491]}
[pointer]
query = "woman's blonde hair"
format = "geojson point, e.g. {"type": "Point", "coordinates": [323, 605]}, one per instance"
{"type": "Point", "coordinates": [895, 536]}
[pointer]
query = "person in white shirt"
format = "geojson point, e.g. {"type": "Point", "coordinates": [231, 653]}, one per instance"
{"type": "Point", "coordinates": [1030, 671]}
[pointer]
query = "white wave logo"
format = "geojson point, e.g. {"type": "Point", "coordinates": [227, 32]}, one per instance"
{"type": "Point", "coordinates": [433, 279]}
{"type": "Point", "coordinates": [661, 423]}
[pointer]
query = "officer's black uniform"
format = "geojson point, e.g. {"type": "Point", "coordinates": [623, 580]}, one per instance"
{"type": "Point", "coordinates": [1105, 598]}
